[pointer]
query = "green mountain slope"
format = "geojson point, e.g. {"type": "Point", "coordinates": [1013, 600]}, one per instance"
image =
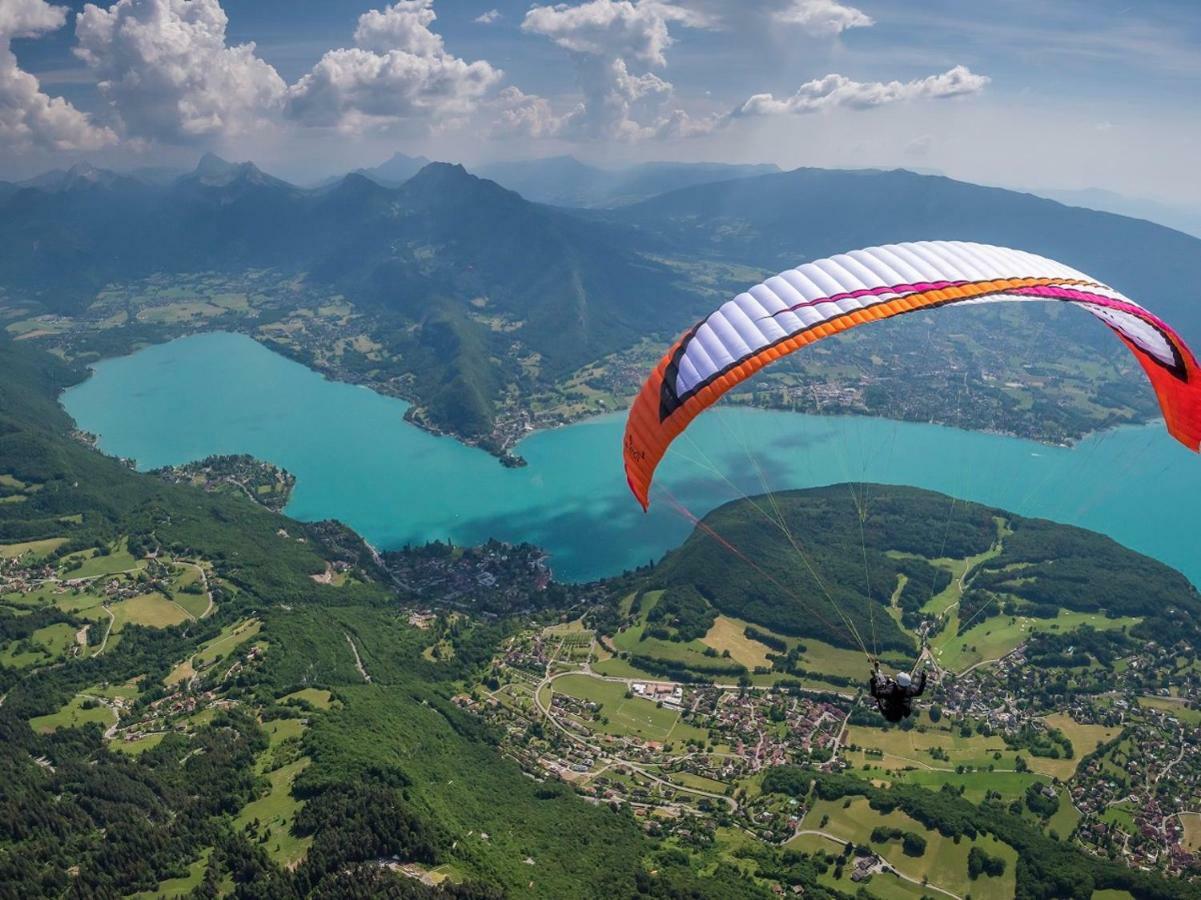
{"type": "Point", "coordinates": [386, 768]}
{"type": "Point", "coordinates": [864, 551]}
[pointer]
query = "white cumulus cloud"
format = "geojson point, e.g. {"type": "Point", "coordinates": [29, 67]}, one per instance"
{"type": "Point", "coordinates": [632, 30]}
{"type": "Point", "coordinates": [402, 26]}
{"type": "Point", "coordinates": [487, 18]}
{"type": "Point", "coordinates": [606, 38]}
{"type": "Point", "coordinates": [823, 18]}
{"type": "Point", "coordinates": [29, 118]}
{"type": "Point", "coordinates": [168, 74]}
{"type": "Point", "coordinates": [834, 91]}
{"type": "Point", "coordinates": [30, 18]}
{"type": "Point", "coordinates": [528, 115]}
{"type": "Point", "coordinates": [398, 72]}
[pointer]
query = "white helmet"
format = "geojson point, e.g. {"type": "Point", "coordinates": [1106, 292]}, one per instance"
{"type": "Point", "coordinates": [903, 679]}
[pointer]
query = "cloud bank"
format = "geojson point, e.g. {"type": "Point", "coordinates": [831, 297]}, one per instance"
{"type": "Point", "coordinates": [398, 73]}
{"type": "Point", "coordinates": [823, 18]}
{"type": "Point", "coordinates": [167, 74]}
{"type": "Point", "coordinates": [835, 91]}
{"type": "Point", "coordinates": [30, 119]}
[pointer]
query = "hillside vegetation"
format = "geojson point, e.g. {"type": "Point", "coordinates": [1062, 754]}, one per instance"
{"type": "Point", "coordinates": [806, 559]}
{"type": "Point", "coordinates": [223, 771]}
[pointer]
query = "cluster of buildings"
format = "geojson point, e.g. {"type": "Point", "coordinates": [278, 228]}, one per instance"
{"type": "Point", "coordinates": [670, 695]}
{"type": "Point", "coordinates": [766, 728]}
{"type": "Point", "coordinates": [1130, 794]}
{"type": "Point", "coordinates": [22, 574]}
{"type": "Point", "coordinates": [682, 783]}
{"type": "Point", "coordinates": [264, 483]}
{"type": "Point", "coordinates": [492, 579]}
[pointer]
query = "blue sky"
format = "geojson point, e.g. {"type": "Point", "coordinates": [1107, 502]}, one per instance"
{"type": "Point", "coordinates": [1022, 93]}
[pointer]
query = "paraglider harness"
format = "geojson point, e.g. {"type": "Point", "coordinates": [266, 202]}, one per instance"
{"type": "Point", "coordinates": [894, 697]}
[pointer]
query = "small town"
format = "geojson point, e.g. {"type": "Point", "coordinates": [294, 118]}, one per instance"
{"type": "Point", "coordinates": [684, 756]}
{"type": "Point", "coordinates": [1135, 793]}
{"type": "Point", "coordinates": [492, 579]}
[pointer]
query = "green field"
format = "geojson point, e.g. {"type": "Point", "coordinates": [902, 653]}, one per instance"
{"type": "Point", "coordinates": [150, 610]}
{"type": "Point", "coordinates": [73, 714]}
{"type": "Point", "coordinates": [905, 749]}
{"type": "Point", "coordinates": [627, 716]}
{"type": "Point", "coordinates": [1174, 708]}
{"type": "Point", "coordinates": [138, 746]}
{"type": "Point", "coordinates": [230, 638]}
{"type": "Point", "coordinates": [118, 560]}
{"type": "Point", "coordinates": [34, 548]}
{"type": "Point", "coordinates": [1084, 738]}
{"type": "Point", "coordinates": [126, 691]}
{"type": "Point", "coordinates": [274, 813]}
{"type": "Point", "coordinates": [1192, 830]}
{"type": "Point", "coordinates": [1064, 822]}
{"type": "Point", "coordinates": [320, 699]}
{"type": "Point", "coordinates": [922, 749]}
{"type": "Point", "coordinates": [280, 730]}
{"type": "Point", "coordinates": [994, 638]}
{"type": "Point", "coordinates": [195, 604]}
{"type": "Point", "coordinates": [70, 602]}
{"type": "Point", "coordinates": [1010, 785]}
{"type": "Point", "coordinates": [944, 862]}
{"type": "Point", "coordinates": [48, 644]}
{"type": "Point", "coordinates": [729, 634]}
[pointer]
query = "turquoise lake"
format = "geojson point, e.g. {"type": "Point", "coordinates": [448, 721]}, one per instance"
{"type": "Point", "coordinates": [357, 460]}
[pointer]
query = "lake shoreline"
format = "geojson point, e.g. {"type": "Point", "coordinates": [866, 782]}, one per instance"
{"type": "Point", "coordinates": [396, 484]}
{"type": "Point", "coordinates": [505, 452]}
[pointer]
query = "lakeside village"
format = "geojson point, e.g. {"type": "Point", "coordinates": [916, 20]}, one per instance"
{"type": "Point", "coordinates": [688, 757]}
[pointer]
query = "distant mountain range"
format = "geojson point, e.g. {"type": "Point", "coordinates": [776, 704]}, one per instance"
{"type": "Point", "coordinates": [1179, 217]}
{"type": "Point", "coordinates": [565, 181]}
{"type": "Point", "coordinates": [473, 276]}
{"type": "Point", "coordinates": [777, 221]}
{"type": "Point", "coordinates": [431, 253]}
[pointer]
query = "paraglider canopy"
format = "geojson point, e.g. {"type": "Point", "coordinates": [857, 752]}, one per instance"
{"type": "Point", "coordinates": [828, 296]}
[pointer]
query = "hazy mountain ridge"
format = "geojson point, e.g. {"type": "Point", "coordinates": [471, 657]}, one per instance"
{"type": "Point", "coordinates": [494, 277]}
{"type": "Point", "coordinates": [565, 181]}
{"type": "Point", "coordinates": [779, 221]}
{"type": "Point", "coordinates": [478, 294]}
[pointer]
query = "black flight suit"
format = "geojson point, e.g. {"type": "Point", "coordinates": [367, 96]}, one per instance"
{"type": "Point", "coordinates": [896, 702]}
